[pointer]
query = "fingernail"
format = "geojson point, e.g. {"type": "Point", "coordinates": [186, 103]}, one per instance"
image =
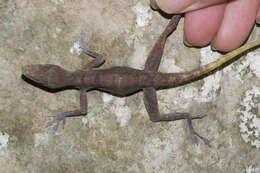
{"type": "Point", "coordinates": [186, 43]}
{"type": "Point", "coordinates": [213, 48]}
{"type": "Point", "coordinates": [257, 21]}
{"type": "Point", "coordinates": [202, 4]}
{"type": "Point", "coordinates": [190, 8]}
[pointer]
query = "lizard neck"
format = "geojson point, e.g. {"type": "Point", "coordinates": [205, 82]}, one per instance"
{"type": "Point", "coordinates": [76, 79]}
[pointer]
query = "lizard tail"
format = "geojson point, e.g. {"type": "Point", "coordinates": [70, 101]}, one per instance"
{"type": "Point", "coordinates": [228, 57]}
{"type": "Point", "coordinates": [207, 69]}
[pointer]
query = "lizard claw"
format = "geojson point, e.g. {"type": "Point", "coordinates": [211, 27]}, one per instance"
{"type": "Point", "coordinates": [193, 133]}
{"type": "Point", "coordinates": [57, 117]}
{"type": "Point", "coordinates": [205, 140]}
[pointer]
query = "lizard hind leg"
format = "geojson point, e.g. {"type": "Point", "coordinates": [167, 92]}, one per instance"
{"type": "Point", "coordinates": [151, 104]}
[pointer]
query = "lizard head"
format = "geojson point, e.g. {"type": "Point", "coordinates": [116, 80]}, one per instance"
{"type": "Point", "coordinates": [48, 75]}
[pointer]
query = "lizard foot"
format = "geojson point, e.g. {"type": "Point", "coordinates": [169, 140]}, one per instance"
{"type": "Point", "coordinates": [57, 117]}
{"type": "Point", "coordinates": [83, 46]}
{"type": "Point", "coordinates": [183, 115]}
{"type": "Point", "coordinates": [193, 133]}
{"type": "Point", "coordinates": [99, 58]}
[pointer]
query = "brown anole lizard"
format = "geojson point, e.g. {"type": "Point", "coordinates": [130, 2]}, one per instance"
{"type": "Point", "coordinates": [124, 81]}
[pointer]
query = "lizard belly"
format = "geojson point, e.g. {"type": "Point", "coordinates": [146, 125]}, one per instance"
{"type": "Point", "coordinates": [121, 85]}
{"type": "Point", "coordinates": [120, 81]}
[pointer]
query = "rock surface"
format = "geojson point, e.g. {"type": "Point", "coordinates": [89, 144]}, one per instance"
{"type": "Point", "coordinates": [116, 135]}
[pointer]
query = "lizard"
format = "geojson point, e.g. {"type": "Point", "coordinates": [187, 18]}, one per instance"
{"type": "Point", "coordinates": [123, 81]}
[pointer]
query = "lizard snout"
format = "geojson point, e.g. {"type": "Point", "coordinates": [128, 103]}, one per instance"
{"type": "Point", "coordinates": [36, 73]}
{"type": "Point", "coordinates": [40, 73]}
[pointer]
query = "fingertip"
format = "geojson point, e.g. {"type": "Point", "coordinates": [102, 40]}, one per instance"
{"type": "Point", "coordinates": [170, 6]}
{"type": "Point", "coordinates": [185, 42]}
{"type": "Point", "coordinates": [258, 17]}
{"type": "Point", "coordinates": [194, 42]}
{"type": "Point", "coordinates": [200, 26]}
{"type": "Point", "coordinates": [235, 27]}
{"type": "Point", "coordinates": [224, 45]}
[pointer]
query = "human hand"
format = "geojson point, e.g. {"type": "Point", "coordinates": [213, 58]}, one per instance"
{"type": "Point", "coordinates": [225, 24]}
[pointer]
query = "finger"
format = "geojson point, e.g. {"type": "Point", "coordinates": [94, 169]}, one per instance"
{"type": "Point", "coordinates": [202, 3]}
{"type": "Point", "coordinates": [258, 16]}
{"type": "Point", "coordinates": [180, 6]}
{"type": "Point", "coordinates": [201, 26]}
{"type": "Point", "coordinates": [174, 6]}
{"type": "Point", "coordinates": [237, 23]}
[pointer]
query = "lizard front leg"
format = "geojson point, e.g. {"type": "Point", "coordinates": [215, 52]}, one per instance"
{"type": "Point", "coordinates": [99, 58]}
{"type": "Point", "coordinates": [151, 105]}
{"type": "Point", "coordinates": [61, 116]}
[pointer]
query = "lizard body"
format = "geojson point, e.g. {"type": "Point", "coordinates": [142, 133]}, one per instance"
{"type": "Point", "coordinates": [124, 81]}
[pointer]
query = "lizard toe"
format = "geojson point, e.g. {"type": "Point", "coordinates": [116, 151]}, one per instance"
{"type": "Point", "coordinates": [57, 117]}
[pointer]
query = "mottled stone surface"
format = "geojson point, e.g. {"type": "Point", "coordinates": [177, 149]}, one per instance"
{"type": "Point", "coordinates": [116, 135]}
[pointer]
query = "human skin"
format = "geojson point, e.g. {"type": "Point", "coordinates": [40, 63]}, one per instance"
{"type": "Point", "coordinates": [225, 24]}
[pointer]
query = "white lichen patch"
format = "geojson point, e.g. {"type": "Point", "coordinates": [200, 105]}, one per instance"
{"type": "Point", "coordinates": [208, 91]}
{"type": "Point", "coordinates": [250, 169]}
{"type": "Point", "coordinates": [249, 66]}
{"type": "Point", "coordinates": [250, 118]}
{"type": "Point", "coordinates": [254, 61]}
{"type": "Point", "coordinates": [242, 70]}
{"type": "Point", "coordinates": [118, 107]}
{"type": "Point", "coordinates": [257, 168]}
{"type": "Point", "coordinates": [4, 138]}
{"type": "Point", "coordinates": [157, 153]}
{"type": "Point", "coordinates": [94, 115]}
{"type": "Point", "coordinates": [143, 14]}
{"type": "Point", "coordinates": [122, 112]}
{"type": "Point", "coordinates": [208, 56]}
{"type": "Point", "coordinates": [92, 118]}
{"type": "Point", "coordinates": [137, 59]}
{"type": "Point", "coordinates": [58, 1]}
{"type": "Point", "coordinates": [212, 82]}
{"type": "Point", "coordinates": [107, 98]}
{"type": "Point", "coordinates": [40, 139]}
{"type": "Point", "coordinates": [76, 49]}
{"type": "Point", "coordinates": [185, 96]}
{"type": "Point", "coordinates": [168, 65]}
